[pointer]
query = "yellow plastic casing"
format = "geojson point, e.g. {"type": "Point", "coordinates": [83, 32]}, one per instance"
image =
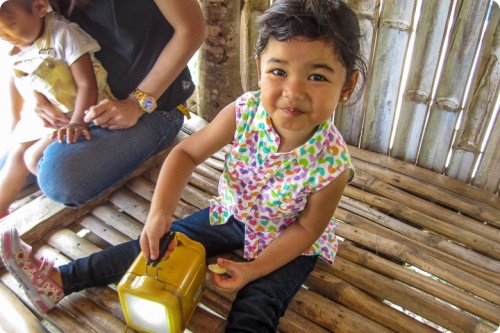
{"type": "Point", "coordinates": [163, 298]}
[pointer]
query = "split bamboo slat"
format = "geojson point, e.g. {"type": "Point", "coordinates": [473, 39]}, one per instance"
{"type": "Point", "coordinates": [349, 117]}
{"type": "Point", "coordinates": [450, 94]}
{"type": "Point", "coordinates": [386, 74]}
{"type": "Point", "coordinates": [430, 33]}
{"type": "Point", "coordinates": [481, 106]}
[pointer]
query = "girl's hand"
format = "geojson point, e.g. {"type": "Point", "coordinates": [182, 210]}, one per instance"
{"type": "Point", "coordinates": [71, 132]}
{"type": "Point", "coordinates": [50, 116]}
{"type": "Point", "coordinates": [238, 275]}
{"type": "Point", "coordinates": [150, 237]}
{"type": "Point", "coordinates": [114, 114]}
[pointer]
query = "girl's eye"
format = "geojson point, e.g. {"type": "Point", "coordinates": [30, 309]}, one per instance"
{"type": "Point", "coordinates": [278, 72]}
{"type": "Point", "coordinates": [317, 77]}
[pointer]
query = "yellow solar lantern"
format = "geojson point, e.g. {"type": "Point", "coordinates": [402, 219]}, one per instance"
{"type": "Point", "coordinates": [161, 296]}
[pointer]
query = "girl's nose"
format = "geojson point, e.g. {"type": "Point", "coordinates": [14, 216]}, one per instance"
{"type": "Point", "coordinates": [294, 89]}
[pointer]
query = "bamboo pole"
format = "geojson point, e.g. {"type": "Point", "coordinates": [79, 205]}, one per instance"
{"type": "Point", "coordinates": [445, 292]}
{"type": "Point", "coordinates": [430, 32]}
{"type": "Point", "coordinates": [408, 298]}
{"type": "Point", "coordinates": [433, 217]}
{"type": "Point", "coordinates": [102, 230]}
{"type": "Point", "coordinates": [337, 318]}
{"type": "Point", "coordinates": [374, 221]}
{"type": "Point", "coordinates": [16, 317]}
{"type": "Point", "coordinates": [468, 207]}
{"type": "Point", "coordinates": [58, 316]}
{"type": "Point", "coordinates": [349, 117]}
{"type": "Point", "coordinates": [425, 262]}
{"type": "Point", "coordinates": [481, 106]}
{"type": "Point", "coordinates": [119, 221]}
{"type": "Point", "coordinates": [450, 94]}
{"type": "Point", "coordinates": [343, 292]}
{"type": "Point", "coordinates": [387, 69]}
{"type": "Point", "coordinates": [430, 177]}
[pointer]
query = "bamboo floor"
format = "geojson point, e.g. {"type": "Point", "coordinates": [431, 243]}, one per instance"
{"type": "Point", "coordinates": [419, 253]}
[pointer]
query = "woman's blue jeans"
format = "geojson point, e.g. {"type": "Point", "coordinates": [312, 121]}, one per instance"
{"type": "Point", "coordinates": [75, 173]}
{"type": "Point", "coordinates": [257, 307]}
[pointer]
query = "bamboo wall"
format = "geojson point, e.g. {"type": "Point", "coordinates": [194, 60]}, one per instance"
{"type": "Point", "coordinates": [432, 91]}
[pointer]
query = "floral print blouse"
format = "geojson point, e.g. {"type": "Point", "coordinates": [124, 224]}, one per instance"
{"type": "Point", "coordinates": [267, 190]}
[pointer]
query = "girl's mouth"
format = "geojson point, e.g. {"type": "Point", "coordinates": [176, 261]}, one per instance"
{"type": "Point", "coordinates": [292, 111]}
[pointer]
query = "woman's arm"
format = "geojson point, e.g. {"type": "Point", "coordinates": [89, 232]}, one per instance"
{"type": "Point", "coordinates": [176, 172]}
{"type": "Point", "coordinates": [292, 242]}
{"type": "Point", "coordinates": [86, 96]}
{"type": "Point", "coordinates": [187, 19]}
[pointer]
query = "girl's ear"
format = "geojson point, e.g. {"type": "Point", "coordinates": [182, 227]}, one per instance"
{"type": "Point", "coordinates": [349, 86]}
{"type": "Point", "coordinates": [40, 7]}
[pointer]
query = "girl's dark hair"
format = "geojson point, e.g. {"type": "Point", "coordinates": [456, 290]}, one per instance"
{"type": "Point", "coordinates": [330, 21]}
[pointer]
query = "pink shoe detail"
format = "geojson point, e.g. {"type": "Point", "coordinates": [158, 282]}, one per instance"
{"type": "Point", "coordinates": [40, 289]}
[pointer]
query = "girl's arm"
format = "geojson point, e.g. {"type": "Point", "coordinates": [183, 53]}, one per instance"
{"type": "Point", "coordinates": [186, 18]}
{"type": "Point", "coordinates": [292, 242]}
{"type": "Point", "coordinates": [176, 172]}
{"type": "Point", "coordinates": [86, 96]}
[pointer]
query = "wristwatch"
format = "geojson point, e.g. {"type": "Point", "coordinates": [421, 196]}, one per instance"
{"type": "Point", "coordinates": [145, 100]}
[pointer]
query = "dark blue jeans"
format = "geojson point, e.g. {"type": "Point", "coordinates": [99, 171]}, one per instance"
{"type": "Point", "coordinates": [73, 174]}
{"type": "Point", "coordinates": [257, 307]}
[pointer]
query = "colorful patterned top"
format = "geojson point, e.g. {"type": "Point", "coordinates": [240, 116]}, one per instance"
{"type": "Point", "coordinates": [267, 190]}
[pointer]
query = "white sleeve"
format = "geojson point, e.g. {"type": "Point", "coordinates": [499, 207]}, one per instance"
{"type": "Point", "coordinates": [71, 42]}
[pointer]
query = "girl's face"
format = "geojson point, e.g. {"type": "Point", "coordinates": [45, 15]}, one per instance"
{"type": "Point", "coordinates": [18, 25]}
{"type": "Point", "coordinates": [302, 82]}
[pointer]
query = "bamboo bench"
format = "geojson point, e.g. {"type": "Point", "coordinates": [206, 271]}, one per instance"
{"type": "Point", "coordinates": [419, 253]}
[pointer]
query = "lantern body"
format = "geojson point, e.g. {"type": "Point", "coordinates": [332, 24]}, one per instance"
{"type": "Point", "coordinates": [163, 298]}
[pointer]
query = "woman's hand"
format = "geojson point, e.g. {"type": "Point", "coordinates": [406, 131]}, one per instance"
{"type": "Point", "coordinates": [50, 116]}
{"type": "Point", "coordinates": [72, 132]}
{"type": "Point", "coordinates": [114, 114]}
{"type": "Point", "coordinates": [238, 275]}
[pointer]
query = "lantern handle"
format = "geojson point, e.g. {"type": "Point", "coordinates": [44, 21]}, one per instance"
{"type": "Point", "coordinates": [164, 241]}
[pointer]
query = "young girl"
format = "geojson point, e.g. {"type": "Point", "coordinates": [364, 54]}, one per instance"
{"type": "Point", "coordinates": [53, 57]}
{"type": "Point", "coordinates": [282, 180]}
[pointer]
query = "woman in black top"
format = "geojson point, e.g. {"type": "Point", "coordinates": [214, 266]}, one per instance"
{"type": "Point", "coordinates": [145, 47]}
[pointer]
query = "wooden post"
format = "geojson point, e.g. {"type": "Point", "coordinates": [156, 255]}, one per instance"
{"type": "Point", "coordinates": [450, 95]}
{"type": "Point", "coordinates": [251, 10]}
{"type": "Point", "coordinates": [479, 112]}
{"type": "Point", "coordinates": [219, 60]}
{"type": "Point", "coordinates": [430, 33]}
{"type": "Point", "coordinates": [387, 69]}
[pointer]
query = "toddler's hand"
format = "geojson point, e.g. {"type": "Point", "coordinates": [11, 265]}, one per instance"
{"type": "Point", "coordinates": [71, 132]}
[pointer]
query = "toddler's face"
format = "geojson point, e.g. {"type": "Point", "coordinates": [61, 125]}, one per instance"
{"type": "Point", "coordinates": [302, 82]}
{"type": "Point", "coordinates": [18, 25]}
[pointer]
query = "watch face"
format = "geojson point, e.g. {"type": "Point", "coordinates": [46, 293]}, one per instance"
{"type": "Point", "coordinates": [148, 104]}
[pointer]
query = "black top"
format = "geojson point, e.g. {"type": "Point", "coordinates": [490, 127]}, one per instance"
{"type": "Point", "coordinates": [132, 34]}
